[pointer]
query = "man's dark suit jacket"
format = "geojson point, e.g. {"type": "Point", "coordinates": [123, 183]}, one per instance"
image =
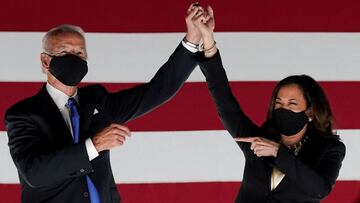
{"type": "Point", "coordinates": [51, 167]}
{"type": "Point", "coordinates": [309, 176]}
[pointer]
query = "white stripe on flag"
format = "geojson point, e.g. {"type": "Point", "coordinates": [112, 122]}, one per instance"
{"type": "Point", "coordinates": [247, 56]}
{"type": "Point", "coordinates": [184, 156]}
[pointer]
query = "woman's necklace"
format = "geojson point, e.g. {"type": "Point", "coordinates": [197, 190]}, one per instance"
{"type": "Point", "coordinates": [295, 148]}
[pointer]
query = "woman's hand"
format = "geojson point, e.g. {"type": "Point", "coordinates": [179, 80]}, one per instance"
{"type": "Point", "coordinates": [261, 146]}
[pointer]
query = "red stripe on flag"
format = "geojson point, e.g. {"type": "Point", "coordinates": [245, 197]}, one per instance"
{"type": "Point", "coordinates": [210, 192]}
{"type": "Point", "coordinates": [168, 16]}
{"type": "Point", "coordinates": [193, 109]}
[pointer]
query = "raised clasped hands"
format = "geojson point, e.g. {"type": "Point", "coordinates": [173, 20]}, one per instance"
{"type": "Point", "coordinates": [200, 26]}
{"type": "Point", "coordinates": [261, 146]}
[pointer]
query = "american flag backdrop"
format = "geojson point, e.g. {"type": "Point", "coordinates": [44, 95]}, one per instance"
{"type": "Point", "coordinates": [180, 152]}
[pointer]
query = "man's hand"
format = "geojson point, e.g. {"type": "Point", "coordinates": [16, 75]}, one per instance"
{"type": "Point", "coordinates": [112, 136]}
{"type": "Point", "coordinates": [193, 34]}
{"type": "Point", "coordinates": [261, 146]}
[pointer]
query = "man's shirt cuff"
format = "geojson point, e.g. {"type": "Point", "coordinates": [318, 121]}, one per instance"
{"type": "Point", "coordinates": [91, 150]}
{"type": "Point", "coordinates": [190, 48]}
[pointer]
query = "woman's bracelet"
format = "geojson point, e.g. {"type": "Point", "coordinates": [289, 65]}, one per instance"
{"type": "Point", "coordinates": [208, 49]}
{"type": "Point", "coordinates": [210, 52]}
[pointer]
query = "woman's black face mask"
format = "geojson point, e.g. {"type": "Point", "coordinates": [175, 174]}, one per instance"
{"type": "Point", "coordinates": [288, 122]}
{"type": "Point", "coordinates": [69, 69]}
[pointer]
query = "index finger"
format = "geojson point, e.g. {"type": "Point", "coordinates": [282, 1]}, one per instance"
{"type": "Point", "coordinates": [210, 11]}
{"type": "Point", "coordinates": [192, 13]}
{"type": "Point", "coordinates": [246, 139]}
{"type": "Point", "coordinates": [192, 5]}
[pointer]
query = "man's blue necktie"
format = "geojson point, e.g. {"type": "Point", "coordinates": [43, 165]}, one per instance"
{"type": "Point", "coordinates": [75, 121]}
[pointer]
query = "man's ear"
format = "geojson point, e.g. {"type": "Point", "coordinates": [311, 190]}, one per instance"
{"type": "Point", "coordinates": [45, 62]}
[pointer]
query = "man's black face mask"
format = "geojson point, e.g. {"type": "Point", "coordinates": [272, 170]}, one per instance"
{"type": "Point", "coordinates": [69, 69]}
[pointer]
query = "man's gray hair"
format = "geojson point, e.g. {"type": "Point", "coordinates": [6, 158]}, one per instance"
{"type": "Point", "coordinates": [58, 31]}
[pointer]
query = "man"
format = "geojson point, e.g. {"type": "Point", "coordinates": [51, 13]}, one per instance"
{"type": "Point", "coordinates": [60, 138]}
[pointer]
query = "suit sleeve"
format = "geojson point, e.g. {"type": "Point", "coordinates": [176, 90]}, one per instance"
{"type": "Point", "coordinates": [229, 110]}
{"type": "Point", "coordinates": [128, 104]}
{"type": "Point", "coordinates": [37, 162]}
{"type": "Point", "coordinates": [316, 181]}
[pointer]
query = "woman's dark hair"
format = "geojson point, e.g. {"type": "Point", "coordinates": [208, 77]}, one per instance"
{"type": "Point", "coordinates": [322, 117]}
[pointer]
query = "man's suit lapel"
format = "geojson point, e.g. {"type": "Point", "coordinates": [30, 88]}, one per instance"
{"type": "Point", "coordinates": [86, 110]}
{"type": "Point", "coordinates": [50, 112]}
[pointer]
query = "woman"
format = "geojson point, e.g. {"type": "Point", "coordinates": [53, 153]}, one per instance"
{"type": "Point", "coordinates": [294, 156]}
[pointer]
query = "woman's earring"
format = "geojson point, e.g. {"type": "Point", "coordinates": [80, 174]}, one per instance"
{"type": "Point", "coordinates": [310, 119]}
